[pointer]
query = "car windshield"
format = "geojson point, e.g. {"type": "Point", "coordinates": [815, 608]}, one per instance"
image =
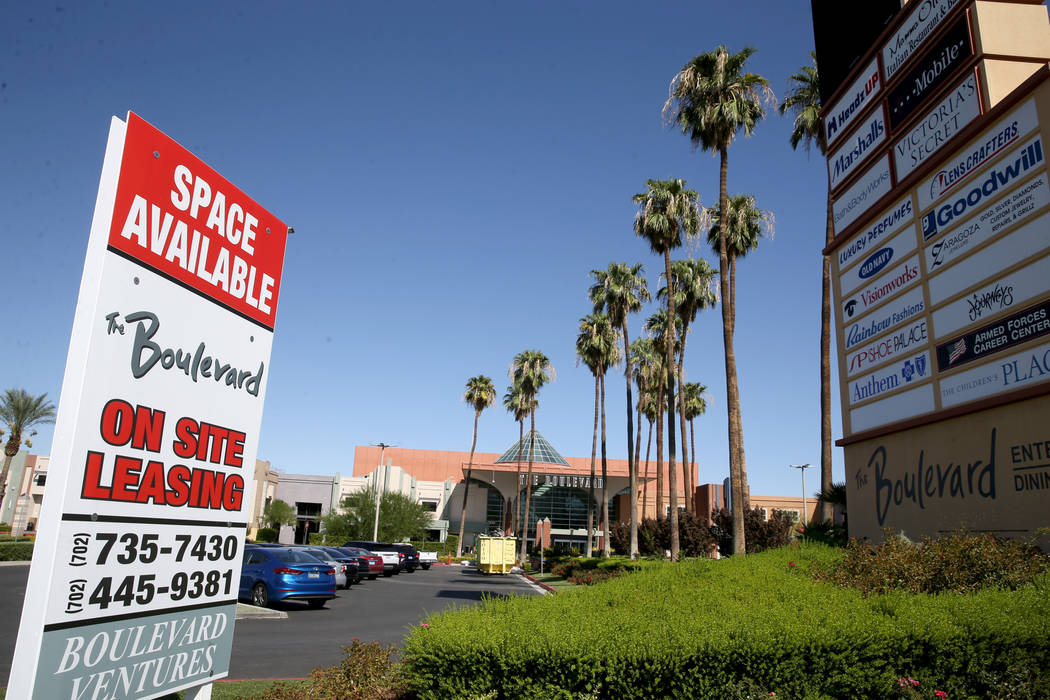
{"type": "Point", "coordinates": [295, 556]}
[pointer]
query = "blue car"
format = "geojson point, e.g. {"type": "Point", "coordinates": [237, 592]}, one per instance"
{"type": "Point", "coordinates": [283, 573]}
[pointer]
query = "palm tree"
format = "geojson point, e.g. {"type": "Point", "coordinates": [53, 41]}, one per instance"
{"type": "Point", "coordinates": [803, 100]}
{"type": "Point", "coordinates": [646, 363]}
{"type": "Point", "coordinates": [666, 210]}
{"type": "Point", "coordinates": [531, 369]}
{"type": "Point", "coordinates": [596, 346]}
{"type": "Point", "coordinates": [711, 99]}
{"type": "Point", "coordinates": [656, 326]}
{"type": "Point", "coordinates": [693, 405]}
{"type": "Point", "coordinates": [744, 225]}
{"type": "Point", "coordinates": [514, 402]}
{"type": "Point", "coordinates": [693, 282]}
{"type": "Point", "coordinates": [21, 411]}
{"type": "Point", "coordinates": [480, 394]}
{"type": "Point", "coordinates": [620, 290]}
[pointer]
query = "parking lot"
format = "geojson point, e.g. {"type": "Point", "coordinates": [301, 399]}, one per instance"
{"type": "Point", "coordinates": [383, 610]}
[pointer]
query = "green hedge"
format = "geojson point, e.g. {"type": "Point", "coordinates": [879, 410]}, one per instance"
{"type": "Point", "coordinates": [696, 628]}
{"type": "Point", "coordinates": [16, 551]}
{"type": "Point", "coordinates": [442, 548]}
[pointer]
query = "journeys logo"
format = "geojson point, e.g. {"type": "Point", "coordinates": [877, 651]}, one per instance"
{"type": "Point", "coordinates": [1029, 156]}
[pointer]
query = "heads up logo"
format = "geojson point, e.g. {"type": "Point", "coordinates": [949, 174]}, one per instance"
{"type": "Point", "coordinates": [875, 262]}
{"type": "Point", "coordinates": [1031, 155]}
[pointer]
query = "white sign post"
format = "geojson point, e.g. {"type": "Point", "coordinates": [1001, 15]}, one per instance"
{"type": "Point", "coordinates": [134, 583]}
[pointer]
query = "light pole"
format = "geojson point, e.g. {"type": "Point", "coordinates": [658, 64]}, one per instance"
{"type": "Point", "coordinates": [382, 453]}
{"type": "Point", "coordinates": [802, 468]}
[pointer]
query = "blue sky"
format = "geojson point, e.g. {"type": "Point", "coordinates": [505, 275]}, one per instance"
{"type": "Point", "coordinates": [453, 171]}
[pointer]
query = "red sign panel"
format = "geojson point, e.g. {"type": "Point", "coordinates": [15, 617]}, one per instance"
{"type": "Point", "coordinates": [177, 216]}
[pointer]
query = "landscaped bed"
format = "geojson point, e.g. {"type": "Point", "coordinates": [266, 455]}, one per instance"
{"type": "Point", "coordinates": [737, 627]}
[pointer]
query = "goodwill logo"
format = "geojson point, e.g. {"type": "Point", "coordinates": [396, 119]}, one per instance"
{"type": "Point", "coordinates": [1027, 157]}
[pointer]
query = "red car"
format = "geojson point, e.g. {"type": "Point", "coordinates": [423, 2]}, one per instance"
{"type": "Point", "coordinates": [369, 564]}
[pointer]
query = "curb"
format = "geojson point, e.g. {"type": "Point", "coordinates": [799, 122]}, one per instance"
{"type": "Point", "coordinates": [251, 612]}
{"type": "Point", "coordinates": [542, 585]}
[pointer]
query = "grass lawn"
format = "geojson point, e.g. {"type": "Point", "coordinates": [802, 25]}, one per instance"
{"type": "Point", "coordinates": [555, 582]}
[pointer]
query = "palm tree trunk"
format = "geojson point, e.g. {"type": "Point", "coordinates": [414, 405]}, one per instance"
{"type": "Point", "coordinates": [686, 467]}
{"type": "Point", "coordinates": [466, 490]}
{"type": "Point", "coordinates": [635, 514]}
{"type": "Point", "coordinates": [528, 485]}
{"type": "Point", "coordinates": [825, 512]}
{"type": "Point", "coordinates": [741, 453]}
{"type": "Point", "coordinates": [660, 447]}
{"type": "Point", "coordinates": [517, 483]}
{"type": "Point", "coordinates": [645, 486]}
{"type": "Point", "coordinates": [594, 452]}
{"type": "Point", "coordinates": [672, 471]}
{"type": "Point", "coordinates": [10, 450]}
{"type": "Point", "coordinates": [632, 454]}
{"type": "Point", "coordinates": [692, 448]}
{"type": "Point", "coordinates": [732, 390]}
{"type": "Point", "coordinates": [606, 551]}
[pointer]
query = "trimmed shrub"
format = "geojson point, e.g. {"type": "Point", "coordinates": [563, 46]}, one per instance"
{"type": "Point", "coordinates": [695, 539]}
{"type": "Point", "coordinates": [760, 534]}
{"type": "Point", "coordinates": [266, 534]}
{"type": "Point", "coordinates": [367, 672]}
{"type": "Point", "coordinates": [752, 624]}
{"type": "Point", "coordinates": [16, 551]}
{"type": "Point", "coordinates": [959, 562]}
{"type": "Point", "coordinates": [12, 538]}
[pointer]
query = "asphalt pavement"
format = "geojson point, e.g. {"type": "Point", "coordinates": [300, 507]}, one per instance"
{"type": "Point", "coordinates": [382, 610]}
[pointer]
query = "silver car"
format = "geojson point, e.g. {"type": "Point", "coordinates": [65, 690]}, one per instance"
{"type": "Point", "coordinates": [341, 578]}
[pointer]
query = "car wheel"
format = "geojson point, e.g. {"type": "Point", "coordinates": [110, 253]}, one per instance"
{"type": "Point", "coordinates": [260, 597]}
{"type": "Point", "coordinates": [315, 603]}
{"type": "Point", "coordinates": [426, 567]}
{"type": "Point", "coordinates": [373, 577]}
{"type": "Point", "coordinates": [388, 574]}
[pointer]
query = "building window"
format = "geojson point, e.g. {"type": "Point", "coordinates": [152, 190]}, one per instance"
{"type": "Point", "coordinates": [430, 506]}
{"type": "Point", "coordinates": [765, 513]}
{"type": "Point", "coordinates": [40, 479]}
{"type": "Point", "coordinates": [792, 513]}
{"type": "Point", "coordinates": [308, 510]}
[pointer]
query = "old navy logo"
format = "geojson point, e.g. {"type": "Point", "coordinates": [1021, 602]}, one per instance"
{"type": "Point", "coordinates": [999, 177]}
{"type": "Point", "coordinates": [837, 121]}
{"type": "Point", "coordinates": [874, 264]}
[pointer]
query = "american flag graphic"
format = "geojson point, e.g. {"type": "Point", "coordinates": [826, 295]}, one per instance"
{"type": "Point", "coordinates": [957, 351]}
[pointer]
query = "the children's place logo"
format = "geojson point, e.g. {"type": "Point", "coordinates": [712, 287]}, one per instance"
{"type": "Point", "coordinates": [874, 264]}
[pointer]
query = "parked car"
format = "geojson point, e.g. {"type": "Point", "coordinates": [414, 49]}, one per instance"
{"type": "Point", "coordinates": [426, 559]}
{"type": "Point", "coordinates": [343, 578]}
{"type": "Point", "coordinates": [368, 563]}
{"type": "Point", "coordinates": [393, 559]}
{"type": "Point", "coordinates": [411, 560]}
{"type": "Point", "coordinates": [354, 572]}
{"type": "Point", "coordinates": [285, 573]}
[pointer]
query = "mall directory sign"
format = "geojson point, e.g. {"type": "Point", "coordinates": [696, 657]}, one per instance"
{"type": "Point", "coordinates": [133, 587]}
{"type": "Point", "coordinates": [941, 277]}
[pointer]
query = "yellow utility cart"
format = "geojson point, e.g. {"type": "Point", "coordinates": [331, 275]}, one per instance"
{"type": "Point", "coordinates": [496, 554]}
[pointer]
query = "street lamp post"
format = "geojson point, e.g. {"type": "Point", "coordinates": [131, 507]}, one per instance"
{"type": "Point", "coordinates": [802, 468]}
{"type": "Point", "coordinates": [382, 453]}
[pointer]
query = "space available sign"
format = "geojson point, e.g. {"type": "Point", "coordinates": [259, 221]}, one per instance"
{"type": "Point", "coordinates": [885, 226]}
{"type": "Point", "coordinates": [1001, 294]}
{"type": "Point", "coordinates": [900, 406]}
{"type": "Point", "coordinates": [853, 102]}
{"type": "Point", "coordinates": [865, 192]}
{"type": "Point", "coordinates": [996, 140]}
{"type": "Point", "coordinates": [889, 378]}
{"type": "Point", "coordinates": [858, 147]}
{"type": "Point", "coordinates": [1026, 159]}
{"type": "Point", "coordinates": [133, 588]}
{"type": "Point", "coordinates": [930, 72]}
{"type": "Point", "coordinates": [960, 107]}
{"type": "Point", "coordinates": [908, 39]}
{"type": "Point", "coordinates": [1012, 248]}
{"type": "Point", "coordinates": [886, 287]}
{"type": "Point", "coordinates": [1026, 368]}
{"type": "Point", "coordinates": [907, 338]}
{"type": "Point", "coordinates": [885, 318]}
{"type": "Point", "coordinates": [896, 248]}
{"type": "Point", "coordinates": [1027, 324]}
{"type": "Point", "coordinates": [1014, 209]}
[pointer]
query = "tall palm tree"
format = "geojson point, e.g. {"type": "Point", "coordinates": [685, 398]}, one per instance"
{"type": "Point", "coordinates": [20, 411]}
{"type": "Point", "coordinates": [480, 394]}
{"type": "Point", "coordinates": [596, 347]}
{"type": "Point", "coordinates": [693, 282]}
{"type": "Point", "coordinates": [711, 99]}
{"type": "Point", "coordinates": [803, 100]}
{"type": "Point", "coordinates": [645, 362]}
{"type": "Point", "coordinates": [531, 369]}
{"type": "Point", "coordinates": [666, 210]}
{"type": "Point", "coordinates": [693, 404]}
{"type": "Point", "coordinates": [656, 326]}
{"type": "Point", "coordinates": [514, 401]}
{"type": "Point", "coordinates": [745, 224]}
{"type": "Point", "coordinates": [620, 290]}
